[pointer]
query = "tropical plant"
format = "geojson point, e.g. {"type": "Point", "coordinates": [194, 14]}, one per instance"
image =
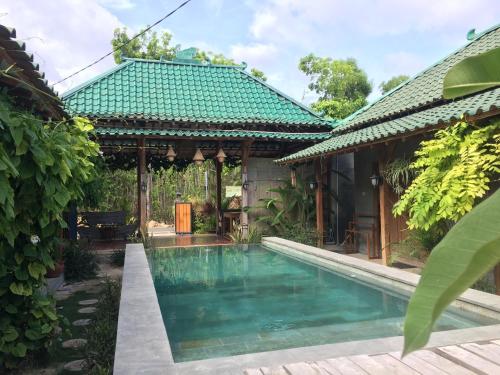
{"type": "Point", "coordinates": [454, 170]}
{"type": "Point", "coordinates": [79, 262]}
{"type": "Point", "coordinates": [472, 74]}
{"type": "Point", "coordinates": [399, 174]}
{"type": "Point", "coordinates": [341, 85]}
{"type": "Point", "coordinates": [238, 236]}
{"type": "Point", "coordinates": [474, 245]}
{"type": "Point", "coordinates": [42, 168]}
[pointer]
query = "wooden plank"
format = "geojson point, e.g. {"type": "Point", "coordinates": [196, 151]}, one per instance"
{"type": "Point", "coordinates": [218, 198]}
{"type": "Point", "coordinates": [490, 352]}
{"type": "Point", "coordinates": [471, 360]}
{"type": "Point", "coordinates": [303, 368]}
{"type": "Point", "coordinates": [369, 365]}
{"type": "Point", "coordinates": [344, 366]}
{"type": "Point", "coordinates": [252, 371]}
{"type": "Point", "coordinates": [393, 366]}
{"type": "Point", "coordinates": [418, 364]}
{"type": "Point", "coordinates": [273, 371]}
{"type": "Point", "coordinates": [385, 213]}
{"type": "Point", "coordinates": [329, 368]}
{"type": "Point", "coordinates": [441, 363]}
{"type": "Point", "coordinates": [245, 155]}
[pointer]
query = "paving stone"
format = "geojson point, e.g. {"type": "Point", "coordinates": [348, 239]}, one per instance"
{"type": "Point", "coordinates": [60, 296]}
{"type": "Point", "coordinates": [74, 343]}
{"type": "Point", "coordinates": [88, 302]}
{"type": "Point", "coordinates": [87, 310]}
{"type": "Point", "coordinates": [57, 331]}
{"type": "Point", "coordinates": [82, 322]}
{"type": "Point", "coordinates": [75, 366]}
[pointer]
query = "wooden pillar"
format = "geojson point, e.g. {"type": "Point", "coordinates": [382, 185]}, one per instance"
{"type": "Point", "coordinates": [319, 201]}
{"type": "Point", "coordinates": [141, 185]}
{"type": "Point", "coordinates": [385, 212]}
{"type": "Point", "coordinates": [496, 272]}
{"type": "Point", "coordinates": [218, 199]}
{"type": "Point", "coordinates": [293, 176]}
{"type": "Point", "coordinates": [245, 154]}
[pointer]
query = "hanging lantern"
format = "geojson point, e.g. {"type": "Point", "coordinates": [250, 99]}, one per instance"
{"type": "Point", "coordinates": [171, 153]}
{"type": "Point", "coordinates": [221, 156]}
{"type": "Point", "coordinates": [198, 157]}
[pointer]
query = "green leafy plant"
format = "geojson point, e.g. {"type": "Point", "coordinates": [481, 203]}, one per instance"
{"type": "Point", "coordinates": [253, 236]}
{"type": "Point", "coordinates": [453, 171]}
{"type": "Point", "coordinates": [101, 334]}
{"type": "Point", "coordinates": [79, 262]}
{"type": "Point", "coordinates": [474, 245]}
{"type": "Point", "coordinates": [399, 174]}
{"type": "Point", "coordinates": [42, 168]}
{"type": "Point", "coordinates": [117, 258]}
{"type": "Point", "coordinates": [472, 74]}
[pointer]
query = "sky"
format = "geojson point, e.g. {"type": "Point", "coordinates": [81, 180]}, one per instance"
{"type": "Point", "coordinates": [386, 37]}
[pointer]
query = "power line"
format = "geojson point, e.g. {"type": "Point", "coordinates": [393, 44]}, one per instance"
{"type": "Point", "coordinates": [124, 44]}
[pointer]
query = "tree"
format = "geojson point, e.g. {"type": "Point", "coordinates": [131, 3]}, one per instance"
{"type": "Point", "coordinates": [341, 85]}
{"type": "Point", "coordinates": [150, 46]}
{"type": "Point", "coordinates": [395, 81]}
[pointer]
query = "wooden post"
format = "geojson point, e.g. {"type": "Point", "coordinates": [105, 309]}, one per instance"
{"type": "Point", "coordinates": [245, 154]}
{"type": "Point", "coordinates": [385, 212]}
{"type": "Point", "coordinates": [293, 177]}
{"type": "Point", "coordinates": [496, 272]}
{"type": "Point", "coordinates": [218, 199]}
{"type": "Point", "coordinates": [319, 201]}
{"type": "Point", "coordinates": [141, 184]}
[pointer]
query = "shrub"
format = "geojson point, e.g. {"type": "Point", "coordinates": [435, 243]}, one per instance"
{"type": "Point", "coordinates": [101, 334]}
{"type": "Point", "coordinates": [117, 258]}
{"type": "Point", "coordinates": [79, 263]}
{"type": "Point", "coordinates": [42, 168]}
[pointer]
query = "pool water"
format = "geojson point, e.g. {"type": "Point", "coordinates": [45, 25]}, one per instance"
{"type": "Point", "coordinates": [226, 300]}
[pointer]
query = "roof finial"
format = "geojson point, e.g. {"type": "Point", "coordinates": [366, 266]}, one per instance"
{"type": "Point", "coordinates": [471, 34]}
{"type": "Point", "coordinates": [187, 55]}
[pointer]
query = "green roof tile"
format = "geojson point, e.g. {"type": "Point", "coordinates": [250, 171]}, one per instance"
{"type": "Point", "coordinates": [473, 105]}
{"type": "Point", "coordinates": [425, 89]}
{"type": "Point", "coordinates": [122, 131]}
{"type": "Point", "coordinates": [173, 91]}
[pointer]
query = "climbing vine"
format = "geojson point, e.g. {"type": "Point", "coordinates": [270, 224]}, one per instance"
{"type": "Point", "coordinates": [454, 170]}
{"type": "Point", "coordinates": [42, 167]}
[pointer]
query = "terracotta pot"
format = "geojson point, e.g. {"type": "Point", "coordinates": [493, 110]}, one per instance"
{"type": "Point", "coordinates": [57, 271]}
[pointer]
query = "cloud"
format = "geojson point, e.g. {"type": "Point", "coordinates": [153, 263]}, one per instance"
{"type": "Point", "coordinates": [63, 35]}
{"type": "Point", "coordinates": [117, 4]}
{"type": "Point", "coordinates": [255, 54]}
{"type": "Point", "coordinates": [403, 63]}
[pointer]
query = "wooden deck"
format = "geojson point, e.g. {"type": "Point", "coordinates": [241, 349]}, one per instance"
{"type": "Point", "coordinates": [473, 358]}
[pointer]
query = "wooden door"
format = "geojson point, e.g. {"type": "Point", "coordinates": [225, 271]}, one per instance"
{"type": "Point", "coordinates": [183, 218]}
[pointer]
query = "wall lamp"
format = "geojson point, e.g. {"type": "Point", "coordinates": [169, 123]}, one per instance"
{"type": "Point", "coordinates": [245, 185]}
{"type": "Point", "coordinates": [376, 180]}
{"type": "Point", "coordinates": [313, 185]}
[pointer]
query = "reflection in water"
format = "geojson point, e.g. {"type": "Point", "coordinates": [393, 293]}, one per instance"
{"type": "Point", "coordinates": [226, 300]}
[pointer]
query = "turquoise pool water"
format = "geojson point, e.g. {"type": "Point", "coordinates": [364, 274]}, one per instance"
{"type": "Point", "coordinates": [228, 300]}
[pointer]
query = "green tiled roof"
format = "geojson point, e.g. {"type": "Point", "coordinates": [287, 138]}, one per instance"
{"type": "Point", "coordinates": [120, 131]}
{"type": "Point", "coordinates": [187, 92]}
{"type": "Point", "coordinates": [473, 105]}
{"type": "Point", "coordinates": [424, 89]}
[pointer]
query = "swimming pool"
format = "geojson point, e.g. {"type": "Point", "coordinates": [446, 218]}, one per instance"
{"type": "Point", "coordinates": [228, 300]}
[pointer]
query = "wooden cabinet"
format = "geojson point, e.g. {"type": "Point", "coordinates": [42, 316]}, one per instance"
{"type": "Point", "coordinates": [183, 218]}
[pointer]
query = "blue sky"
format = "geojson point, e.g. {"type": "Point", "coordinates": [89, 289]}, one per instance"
{"type": "Point", "coordinates": [386, 37]}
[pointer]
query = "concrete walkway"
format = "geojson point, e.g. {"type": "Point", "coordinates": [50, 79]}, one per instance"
{"type": "Point", "coordinates": [472, 358]}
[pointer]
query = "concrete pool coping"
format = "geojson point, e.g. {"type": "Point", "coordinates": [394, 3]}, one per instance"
{"type": "Point", "coordinates": [143, 347]}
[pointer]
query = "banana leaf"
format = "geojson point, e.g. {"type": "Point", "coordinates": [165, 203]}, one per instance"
{"type": "Point", "coordinates": [473, 74]}
{"type": "Point", "coordinates": [469, 250]}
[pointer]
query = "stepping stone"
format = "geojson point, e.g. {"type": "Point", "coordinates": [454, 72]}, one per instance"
{"type": "Point", "coordinates": [60, 296]}
{"type": "Point", "coordinates": [75, 366]}
{"type": "Point", "coordinates": [87, 310]}
{"type": "Point", "coordinates": [57, 331]}
{"type": "Point", "coordinates": [81, 322]}
{"type": "Point", "coordinates": [74, 343]}
{"type": "Point", "coordinates": [88, 302]}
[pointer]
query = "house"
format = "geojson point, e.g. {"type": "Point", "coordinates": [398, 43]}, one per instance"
{"type": "Point", "coordinates": [388, 129]}
{"type": "Point", "coordinates": [192, 110]}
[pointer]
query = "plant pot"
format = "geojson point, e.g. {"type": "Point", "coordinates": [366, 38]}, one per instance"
{"type": "Point", "coordinates": [57, 271]}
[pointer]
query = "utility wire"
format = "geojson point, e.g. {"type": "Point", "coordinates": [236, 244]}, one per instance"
{"type": "Point", "coordinates": [124, 44]}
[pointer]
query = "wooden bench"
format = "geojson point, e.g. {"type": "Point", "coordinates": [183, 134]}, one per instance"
{"type": "Point", "coordinates": [105, 225]}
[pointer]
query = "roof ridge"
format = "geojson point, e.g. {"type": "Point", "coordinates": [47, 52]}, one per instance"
{"type": "Point", "coordinates": [411, 79]}
{"type": "Point", "coordinates": [95, 79]}
{"type": "Point", "coordinates": [177, 62]}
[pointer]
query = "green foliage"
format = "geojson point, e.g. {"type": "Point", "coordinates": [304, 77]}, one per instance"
{"type": "Point", "coordinates": [238, 237]}
{"type": "Point", "coordinates": [473, 74]}
{"type": "Point", "coordinates": [150, 46]}
{"type": "Point", "coordinates": [394, 82]}
{"type": "Point", "coordinates": [117, 258]}
{"type": "Point", "coordinates": [42, 168]}
{"type": "Point", "coordinates": [147, 46]}
{"type": "Point", "coordinates": [453, 171]}
{"type": "Point", "coordinates": [79, 262]}
{"type": "Point", "coordinates": [474, 245]}
{"type": "Point", "coordinates": [418, 244]}
{"type": "Point", "coordinates": [291, 212]}
{"type": "Point", "coordinates": [341, 85]}
{"type": "Point", "coordinates": [399, 174]}
{"type": "Point", "coordinates": [101, 334]}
